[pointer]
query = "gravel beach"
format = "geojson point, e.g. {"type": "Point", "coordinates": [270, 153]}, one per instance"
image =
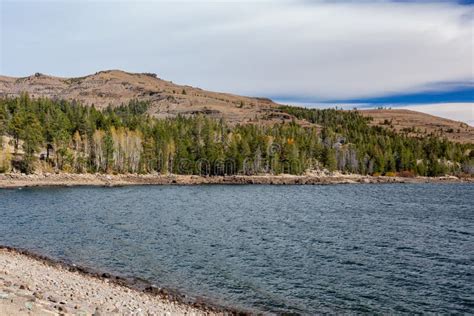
{"type": "Point", "coordinates": [15, 180]}
{"type": "Point", "coordinates": [30, 286]}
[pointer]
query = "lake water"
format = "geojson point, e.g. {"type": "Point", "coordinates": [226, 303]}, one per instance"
{"type": "Point", "coordinates": [281, 249]}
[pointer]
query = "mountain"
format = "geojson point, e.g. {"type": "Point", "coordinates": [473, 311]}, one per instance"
{"type": "Point", "coordinates": [167, 99]}
{"type": "Point", "coordinates": [115, 87]}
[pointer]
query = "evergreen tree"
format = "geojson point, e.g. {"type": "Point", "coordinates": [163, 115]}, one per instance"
{"type": "Point", "coordinates": [125, 139]}
{"type": "Point", "coordinates": [31, 136]}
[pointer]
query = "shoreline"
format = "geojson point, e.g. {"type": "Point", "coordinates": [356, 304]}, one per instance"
{"type": "Point", "coordinates": [15, 180]}
{"type": "Point", "coordinates": [31, 283]}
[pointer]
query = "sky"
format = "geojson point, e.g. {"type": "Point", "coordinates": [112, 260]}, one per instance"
{"type": "Point", "coordinates": [415, 54]}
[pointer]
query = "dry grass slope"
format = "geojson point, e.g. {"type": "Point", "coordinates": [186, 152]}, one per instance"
{"type": "Point", "coordinates": [115, 87]}
{"type": "Point", "coordinates": [420, 124]}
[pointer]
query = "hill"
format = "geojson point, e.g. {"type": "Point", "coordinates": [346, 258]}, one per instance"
{"type": "Point", "coordinates": [167, 99]}
{"type": "Point", "coordinates": [141, 124]}
{"type": "Point", "coordinates": [420, 124]}
{"type": "Point", "coordinates": [115, 87]}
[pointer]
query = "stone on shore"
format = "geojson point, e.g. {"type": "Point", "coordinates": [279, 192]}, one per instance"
{"type": "Point", "coordinates": [32, 287]}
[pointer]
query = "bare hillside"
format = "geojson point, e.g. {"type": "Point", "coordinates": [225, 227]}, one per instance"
{"type": "Point", "coordinates": [115, 87]}
{"type": "Point", "coordinates": [419, 124]}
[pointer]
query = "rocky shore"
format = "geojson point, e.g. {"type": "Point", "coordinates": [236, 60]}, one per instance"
{"type": "Point", "coordinates": [34, 285]}
{"type": "Point", "coordinates": [15, 180]}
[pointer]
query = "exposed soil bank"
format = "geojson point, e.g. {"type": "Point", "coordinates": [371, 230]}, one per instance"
{"type": "Point", "coordinates": [32, 284]}
{"type": "Point", "coordinates": [65, 179]}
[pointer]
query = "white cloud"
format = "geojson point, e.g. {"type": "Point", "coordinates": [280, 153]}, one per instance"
{"type": "Point", "coordinates": [319, 50]}
{"type": "Point", "coordinates": [463, 112]}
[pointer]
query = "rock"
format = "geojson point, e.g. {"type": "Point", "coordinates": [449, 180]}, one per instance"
{"type": "Point", "coordinates": [52, 299]}
{"type": "Point", "coordinates": [3, 296]}
{"type": "Point", "coordinates": [29, 305]}
{"type": "Point", "coordinates": [38, 295]}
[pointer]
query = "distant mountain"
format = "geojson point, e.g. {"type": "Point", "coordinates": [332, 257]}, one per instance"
{"type": "Point", "coordinates": [116, 87]}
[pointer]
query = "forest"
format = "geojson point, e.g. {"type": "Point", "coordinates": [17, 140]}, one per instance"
{"type": "Point", "coordinates": [60, 136]}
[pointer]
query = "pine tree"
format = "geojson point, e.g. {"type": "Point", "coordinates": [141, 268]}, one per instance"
{"type": "Point", "coordinates": [16, 127]}
{"type": "Point", "coordinates": [108, 151]}
{"type": "Point", "coordinates": [328, 158]}
{"type": "Point", "coordinates": [31, 136]}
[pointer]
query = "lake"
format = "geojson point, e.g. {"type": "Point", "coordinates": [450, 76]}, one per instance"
{"type": "Point", "coordinates": [393, 248]}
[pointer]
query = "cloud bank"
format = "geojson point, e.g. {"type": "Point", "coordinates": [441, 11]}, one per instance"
{"type": "Point", "coordinates": [463, 112]}
{"type": "Point", "coordinates": [321, 50]}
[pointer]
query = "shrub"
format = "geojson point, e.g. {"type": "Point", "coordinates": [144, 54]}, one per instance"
{"type": "Point", "coordinates": [24, 165]}
{"type": "Point", "coordinates": [390, 174]}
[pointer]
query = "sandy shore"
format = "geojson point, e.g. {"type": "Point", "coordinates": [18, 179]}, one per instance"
{"type": "Point", "coordinates": [65, 179]}
{"type": "Point", "coordinates": [32, 285]}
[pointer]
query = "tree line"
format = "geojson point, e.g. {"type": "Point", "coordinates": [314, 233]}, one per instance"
{"type": "Point", "coordinates": [58, 135]}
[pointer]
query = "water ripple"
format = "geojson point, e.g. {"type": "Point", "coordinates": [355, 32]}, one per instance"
{"type": "Point", "coordinates": [275, 249]}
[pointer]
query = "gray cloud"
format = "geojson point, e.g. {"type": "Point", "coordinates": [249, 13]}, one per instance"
{"type": "Point", "coordinates": [319, 50]}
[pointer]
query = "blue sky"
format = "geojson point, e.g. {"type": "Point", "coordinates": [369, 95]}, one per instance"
{"type": "Point", "coordinates": [394, 53]}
